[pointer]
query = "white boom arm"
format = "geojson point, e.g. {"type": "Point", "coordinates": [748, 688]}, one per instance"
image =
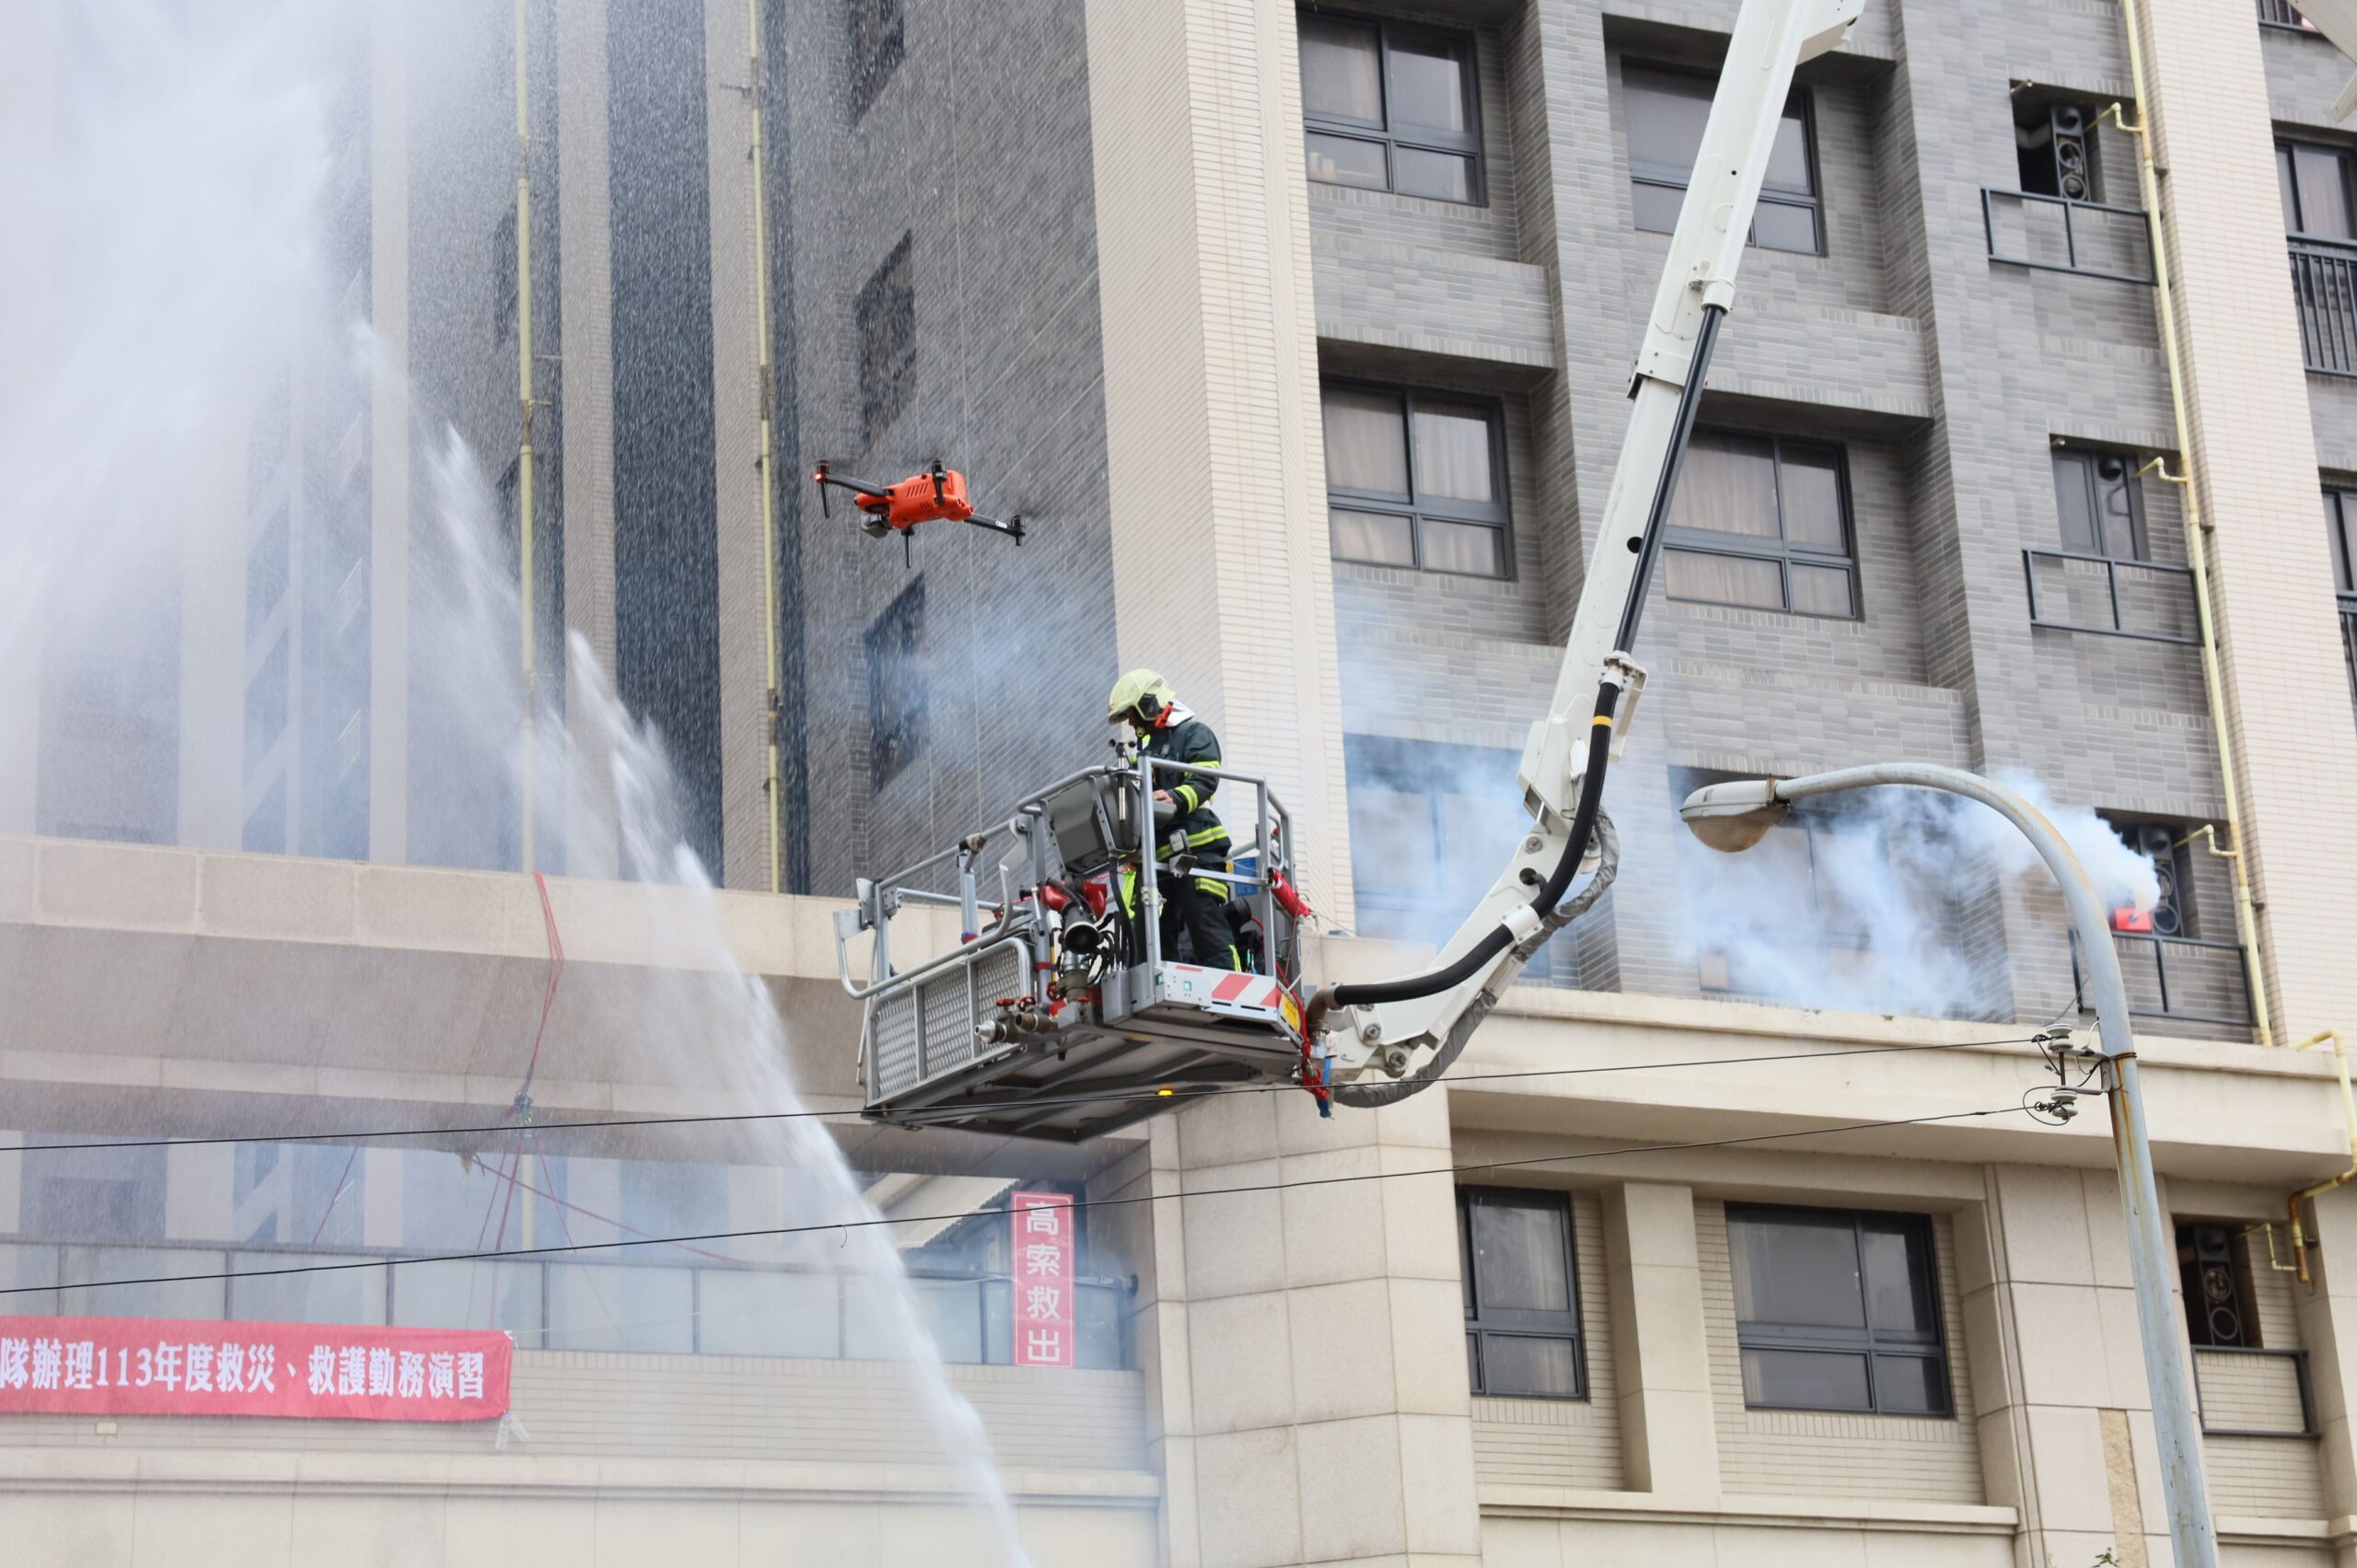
{"type": "Point", "coordinates": [2337, 19]}
{"type": "Point", "coordinates": [1385, 1026]}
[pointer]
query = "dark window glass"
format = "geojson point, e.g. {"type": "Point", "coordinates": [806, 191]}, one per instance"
{"type": "Point", "coordinates": [2166, 845]}
{"type": "Point", "coordinates": [1761, 522]}
{"type": "Point", "coordinates": [2340, 518]}
{"type": "Point", "coordinates": [1416, 479]}
{"type": "Point", "coordinates": [503, 281]}
{"type": "Point", "coordinates": [896, 686]}
{"type": "Point", "coordinates": [2214, 1266]}
{"type": "Point", "coordinates": [877, 44]}
{"type": "Point", "coordinates": [2095, 496]}
{"type": "Point", "coordinates": [1665, 113]}
{"type": "Point", "coordinates": [1391, 107]}
{"type": "Point", "coordinates": [268, 568]}
{"type": "Point", "coordinates": [1521, 1303]}
{"type": "Point", "coordinates": [1837, 1311]}
{"type": "Point", "coordinates": [887, 319]}
{"type": "Point", "coordinates": [2315, 184]}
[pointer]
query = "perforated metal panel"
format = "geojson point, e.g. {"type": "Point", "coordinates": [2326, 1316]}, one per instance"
{"type": "Point", "coordinates": [923, 1028]}
{"type": "Point", "coordinates": [891, 1043]}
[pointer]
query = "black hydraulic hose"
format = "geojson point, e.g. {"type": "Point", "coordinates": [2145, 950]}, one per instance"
{"type": "Point", "coordinates": [1607, 700]}
{"type": "Point", "coordinates": [1543, 902]}
{"type": "Point", "coordinates": [1690, 401]}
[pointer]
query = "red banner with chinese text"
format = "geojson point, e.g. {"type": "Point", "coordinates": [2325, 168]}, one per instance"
{"type": "Point", "coordinates": [309, 1371]}
{"type": "Point", "coordinates": [1042, 1266]}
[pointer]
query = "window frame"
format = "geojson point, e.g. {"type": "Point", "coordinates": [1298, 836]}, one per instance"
{"type": "Point", "coordinates": [2137, 526]}
{"type": "Point", "coordinates": [1816, 821]}
{"type": "Point", "coordinates": [893, 747]}
{"type": "Point", "coordinates": [882, 400]}
{"type": "Point", "coordinates": [1497, 515]}
{"type": "Point", "coordinates": [1421, 138]}
{"type": "Point", "coordinates": [2346, 156]}
{"type": "Point", "coordinates": [1780, 549]}
{"type": "Point", "coordinates": [1423, 768]}
{"type": "Point", "coordinates": [1507, 1323]}
{"type": "Point", "coordinates": [1801, 98]}
{"type": "Point", "coordinates": [2342, 499]}
{"type": "Point", "coordinates": [875, 56]}
{"type": "Point", "coordinates": [1867, 1341]}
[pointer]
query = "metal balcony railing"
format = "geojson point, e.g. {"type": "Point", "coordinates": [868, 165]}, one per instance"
{"type": "Point", "coordinates": [2247, 1391]}
{"type": "Point", "coordinates": [2054, 234]}
{"type": "Point", "coordinates": [2348, 642]}
{"type": "Point", "coordinates": [2183, 980]}
{"type": "Point", "coordinates": [2324, 281]}
{"type": "Point", "coordinates": [2281, 14]}
{"type": "Point", "coordinates": [2073, 591]}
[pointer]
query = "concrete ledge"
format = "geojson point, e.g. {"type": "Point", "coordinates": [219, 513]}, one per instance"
{"type": "Point", "coordinates": [390, 1475]}
{"type": "Point", "coordinates": [1794, 1513]}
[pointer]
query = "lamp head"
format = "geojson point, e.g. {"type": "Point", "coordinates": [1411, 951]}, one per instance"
{"type": "Point", "coordinates": [1733, 816]}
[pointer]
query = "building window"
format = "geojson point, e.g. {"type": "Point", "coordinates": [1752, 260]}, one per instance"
{"type": "Point", "coordinates": [877, 47]}
{"type": "Point", "coordinates": [1665, 113]}
{"type": "Point", "coordinates": [503, 281]}
{"type": "Point", "coordinates": [1416, 480]}
{"type": "Point", "coordinates": [1762, 522]}
{"type": "Point", "coordinates": [1793, 919]}
{"type": "Point", "coordinates": [1386, 106]}
{"type": "Point", "coordinates": [2167, 846]}
{"type": "Point", "coordinates": [1837, 1311]}
{"type": "Point", "coordinates": [1522, 1315]}
{"type": "Point", "coordinates": [2315, 184]}
{"type": "Point", "coordinates": [887, 340]}
{"type": "Point", "coordinates": [2215, 1273]}
{"type": "Point", "coordinates": [896, 686]}
{"type": "Point", "coordinates": [1431, 828]}
{"type": "Point", "coordinates": [2281, 13]}
{"type": "Point", "coordinates": [2053, 148]}
{"type": "Point", "coordinates": [2100, 504]}
{"type": "Point", "coordinates": [2340, 518]}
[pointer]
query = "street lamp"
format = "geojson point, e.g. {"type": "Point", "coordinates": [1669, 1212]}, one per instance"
{"type": "Point", "coordinates": [1734, 817]}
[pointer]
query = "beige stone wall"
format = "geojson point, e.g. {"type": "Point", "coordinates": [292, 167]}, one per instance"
{"type": "Point", "coordinates": [1222, 576]}
{"type": "Point", "coordinates": [389, 435]}
{"type": "Point", "coordinates": [737, 450]}
{"type": "Point", "coordinates": [1813, 1454]}
{"type": "Point", "coordinates": [2255, 470]}
{"type": "Point", "coordinates": [1573, 1442]}
{"type": "Point", "coordinates": [586, 273]}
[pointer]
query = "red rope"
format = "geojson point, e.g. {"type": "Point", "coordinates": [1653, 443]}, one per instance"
{"type": "Point", "coordinates": [556, 975]}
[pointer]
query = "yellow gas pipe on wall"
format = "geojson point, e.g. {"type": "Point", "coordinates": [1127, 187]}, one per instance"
{"type": "Point", "coordinates": [2349, 1111]}
{"type": "Point", "coordinates": [770, 788]}
{"type": "Point", "coordinates": [525, 403]}
{"type": "Point", "coordinates": [2197, 543]}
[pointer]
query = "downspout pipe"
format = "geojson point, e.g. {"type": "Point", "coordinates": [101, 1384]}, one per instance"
{"type": "Point", "coordinates": [2197, 531]}
{"type": "Point", "coordinates": [770, 789]}
{"type": "Point", "coordinates": [2349, 1112]}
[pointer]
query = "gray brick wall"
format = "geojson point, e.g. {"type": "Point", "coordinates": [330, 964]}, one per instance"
{"type": "Point", "coordinates": [1019, 644]}
{"type": "Point", "coordinates": [1946, 377]}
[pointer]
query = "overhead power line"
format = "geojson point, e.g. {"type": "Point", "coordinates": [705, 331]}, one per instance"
{"type": "Point", "coordinates": [871, 1222]}
{"type": "Point", "coordinates": [1176, 1093]}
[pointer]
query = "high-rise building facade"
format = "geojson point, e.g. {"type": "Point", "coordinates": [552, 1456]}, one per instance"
{"type": "Point", "coordinates": [1299, 337]}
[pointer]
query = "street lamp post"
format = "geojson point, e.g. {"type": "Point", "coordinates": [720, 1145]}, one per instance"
{"type": "Point", "coordinates": [1733, 816]}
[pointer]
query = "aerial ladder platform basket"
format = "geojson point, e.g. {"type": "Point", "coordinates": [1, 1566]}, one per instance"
{"type": "Point", "coordinates": [1058, 1013]}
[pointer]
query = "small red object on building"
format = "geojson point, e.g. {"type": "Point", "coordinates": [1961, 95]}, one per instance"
{"type": "Point", "coordinates": [2129, 918]}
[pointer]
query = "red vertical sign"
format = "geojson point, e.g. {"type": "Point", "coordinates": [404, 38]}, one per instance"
{"type": "Point", "coordinates": [1042, 1267]}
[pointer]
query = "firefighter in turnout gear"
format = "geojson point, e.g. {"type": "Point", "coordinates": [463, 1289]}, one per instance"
{"type": "Point", "coordinates": [1165, 728]}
